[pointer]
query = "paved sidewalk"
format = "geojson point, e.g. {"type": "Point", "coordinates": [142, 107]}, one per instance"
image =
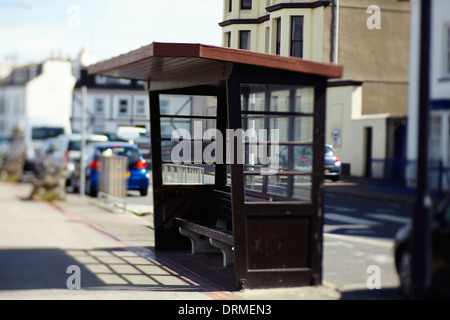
{"type": "Point", "coordinates": [113, 249]}
{"type": "Point", "coordinates": [39, 241]}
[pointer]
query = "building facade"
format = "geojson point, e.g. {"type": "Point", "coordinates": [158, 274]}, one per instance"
{"type": "Point", "coordinates": [111, 103]}
{"type": "Point", "coordinates": [36, 91]}
{"type": "Point", "coordinates": [366, 109]}
{"type": "Point", "coordinates": [439, 139]}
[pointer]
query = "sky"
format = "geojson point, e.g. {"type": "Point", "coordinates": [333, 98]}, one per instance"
{"type": "Point", "coordinates": [34, 30]}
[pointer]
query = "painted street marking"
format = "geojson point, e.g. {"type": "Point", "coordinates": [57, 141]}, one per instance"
{"type": "Point", "coordinates": [387, 217]}
{"type": "Point", "coordinates": [375, 242]}
{"type": "Point", "coordinates": [352, 220]}
{"type": "Point", "coordinates": [338, 208]}
{"type": "Point", "coordinates": [353, 231]}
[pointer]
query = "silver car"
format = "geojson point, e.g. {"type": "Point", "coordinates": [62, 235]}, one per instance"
{"type": "Point", "coordinates": [67, 151]}
{"type": "Point", "coordinates": [303, 160]}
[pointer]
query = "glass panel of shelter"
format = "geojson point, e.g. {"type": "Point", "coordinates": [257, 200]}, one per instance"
{"type": "Point", "coordinates": [278, 124]}
{"type": "Point", "coordinates": [187, 144]}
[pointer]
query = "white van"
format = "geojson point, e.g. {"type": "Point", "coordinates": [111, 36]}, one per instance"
{"type": "Point", "coordinates": [35, 131]}
{"type": "Point", "coordinates": [130, 133]}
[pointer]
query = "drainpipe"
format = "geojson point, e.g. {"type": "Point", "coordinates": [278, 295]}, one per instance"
{"type": "Point", "coordinates": [332, 32]}
{"type": "Point", "coordinates": [336, 33]}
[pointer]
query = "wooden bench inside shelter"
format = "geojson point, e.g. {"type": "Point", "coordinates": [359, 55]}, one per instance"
{"type": "Point", "coordinates": [215, 232]}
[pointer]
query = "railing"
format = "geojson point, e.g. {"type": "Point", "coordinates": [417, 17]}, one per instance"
{"type": "Point", "coordinates": [438, 177]}
{"type": "Point", "coordinates": [392, 172]}
{"type": "Point", "coordinates": [182, 174]}
{"type": "Point", "coordinates": [400, 173]}
{"type": "Point", "coordinates": [113, 183]}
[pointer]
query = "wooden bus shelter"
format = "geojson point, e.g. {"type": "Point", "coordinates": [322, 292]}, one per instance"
{"type": "Point", "coordinates": [215, 190]}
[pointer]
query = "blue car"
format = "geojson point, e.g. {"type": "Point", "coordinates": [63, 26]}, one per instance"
{"type": "Point", "coordinates": [138, 175]}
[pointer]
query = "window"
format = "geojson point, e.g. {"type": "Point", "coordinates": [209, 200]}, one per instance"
{"type": "Point", "coordinates": [246, 4]}
{"type": "Point", "coordinates": [267, 40]}
{"type": "Point", "coordinates": [435, 136]}
{"type": "Point", "coordinates": [278, 39]}
{"type": "Point", "coordinates": [188, 151]}
{"type": "Point", "coordinates": [128, 152]}
{"type": "Point", "coordinates": [101, 79]}
{"type": "Point", "coordinates": [123, 107]}
{"type": "Point", "coordinates": [164, 106]}
{"type": "Point", "coordinates": [279, 124]}
{"type": "Point", "coordinates": [244, 40]}
{"type": "Point", "coordinates": [297, 36]}
{"type": "Point", "coordinates": [99, 106]}
{"type": "Point", "coordinates": [125, 82]}
{"type": "Point", "coordinates": [228, 39]}
{"type": "Point", "coordinates": [230, 5]}
{"type": "Point", "coordinates": [42, 133]}
{"type": "Point", "coordinates": [140, 108]}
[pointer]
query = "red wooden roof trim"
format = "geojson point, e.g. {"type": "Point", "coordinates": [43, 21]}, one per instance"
{"type": "Point", "coordinates": [158, 49]}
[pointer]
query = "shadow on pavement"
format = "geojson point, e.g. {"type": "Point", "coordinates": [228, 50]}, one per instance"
{"type": "Point", "coordinates": [26, 269]}
{"type": "Point", "coordinates": [118, 269]}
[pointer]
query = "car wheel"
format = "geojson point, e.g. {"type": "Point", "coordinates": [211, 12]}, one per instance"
{"type": "Point", "coordinates": [405, 273]}
{"type": "Point", "coordinates": [144, 192]}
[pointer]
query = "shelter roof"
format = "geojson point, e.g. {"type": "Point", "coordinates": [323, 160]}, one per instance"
{"type": "Point", "coordinates": [175, 64]}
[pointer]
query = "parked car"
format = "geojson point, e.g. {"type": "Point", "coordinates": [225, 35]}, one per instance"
{"type": "Point", "coordinates": [111, 136]}
{"type": "Point", "coordinates": [439, 270]}
{"type": "Point", "coordinates": [303, 160]}
{"type": "Point", "coordinates": [67, 151]}
{"type": "Point", "coordinates": [333, 165]}
{"type": "Point", "coordinates": [130, 133]}
{"type": "Point", "coordinates": [34, 131]}
{"type": "Point", "coordinates": [138, 175]}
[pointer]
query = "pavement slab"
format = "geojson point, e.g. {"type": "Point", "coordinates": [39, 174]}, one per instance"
{"type": "Point", "coordinates": [41, 241]}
